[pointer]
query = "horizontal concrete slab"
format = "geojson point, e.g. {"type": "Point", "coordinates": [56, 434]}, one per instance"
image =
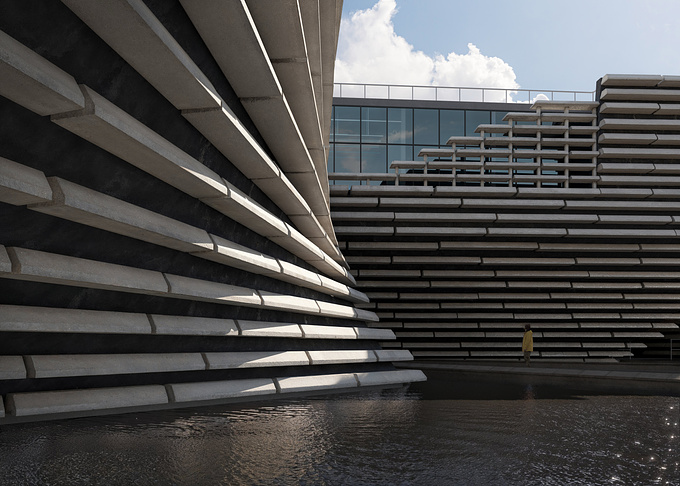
{"type": "Point", "coordinates": [193, 326]}
{"type": "Point", "coordinates": [33, 82]}
{"type": "Point", "coordinates": [196, 289]}
{"type": "Point", "coordinates": [52, 366]}
{"type": "Point", "coordinates": [82, 205]}
{"type": "Point", "coordinates": [341, 357]}
{"type": "Point", "coordinates": [21, 185]}
{"type": "Point", "coordinates": [373, 333]}
{"type": "Point", "coordinates": [316, 383]}
{"type": "Point", "coordinates": [269, 329]}
{"type": "Point", "coordinates": [311, 331]}
{"type": "Point", "coordinates": [255, 359]}
{"type": "Point", "coordinates": [49, 319]}
{"type": "Point", "coordinates": [65, 270]}
{"type": "Point", "coordinates": [84, 400]}
{"type": "Point", "coordinates": [217, 390]}
{"type": "Point", "coordinates": [377, 378]}
{"type": "Point", "coordinates": [12, 368]}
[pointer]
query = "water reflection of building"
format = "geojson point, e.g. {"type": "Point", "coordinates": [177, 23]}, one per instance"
{"type": "Point", "coordinates": [464, 220]}
{"type": "Point", "coordinates": [165, 230]}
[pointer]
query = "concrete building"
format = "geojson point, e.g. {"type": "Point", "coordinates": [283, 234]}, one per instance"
{"type": "Point", "coordinates": [462, 221]}
{"type": "Point", "coordinates": [165, 233]}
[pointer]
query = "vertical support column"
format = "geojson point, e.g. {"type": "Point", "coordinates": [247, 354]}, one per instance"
{"type": "Point", "coordinates": [539, 159]}
{"type": "Point", "coordinates": [567, 134]}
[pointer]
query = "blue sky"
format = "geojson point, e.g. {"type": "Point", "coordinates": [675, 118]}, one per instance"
{"type": "Point", "coordinates": [543, 44]}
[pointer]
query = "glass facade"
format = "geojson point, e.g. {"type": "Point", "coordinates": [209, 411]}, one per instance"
{"type": "Point", "coordinates": [368, 139]}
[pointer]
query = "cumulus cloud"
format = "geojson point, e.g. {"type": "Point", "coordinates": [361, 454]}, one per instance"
{"type": "Point", "coordinates": [370, 51]}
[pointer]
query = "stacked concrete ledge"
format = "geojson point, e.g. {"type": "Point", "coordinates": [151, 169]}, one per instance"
{"type": "Point", "coordinates": [55, 320]}
{"type": "Point", "coordinates": [168, 68]}
{"type": "Point", "coordinates": [190, 140]}
{"type": "Point", "coordinates": [64, 199]}
{"type": "Point", "coordinates": [54, 404]}
{"type": "Point", "coordinates": [64, 270]}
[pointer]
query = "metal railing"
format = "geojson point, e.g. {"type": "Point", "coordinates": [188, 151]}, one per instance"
{"type": "Point", "coordinates": [445, 93]}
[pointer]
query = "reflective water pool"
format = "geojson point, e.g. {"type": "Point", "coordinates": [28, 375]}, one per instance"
{"type": "Point", "coordinates": [438, 433]}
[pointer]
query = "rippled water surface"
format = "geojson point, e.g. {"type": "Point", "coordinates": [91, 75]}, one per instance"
{"type": "Point", "coordinates": [439, 433]}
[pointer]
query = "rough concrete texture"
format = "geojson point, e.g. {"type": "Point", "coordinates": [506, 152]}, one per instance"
{"type": "Point", "coordinates": [373, 333]}
{"type": "Point", "coordinates": [256, 359]}
{"type": "Point", "coordinates": [316, 382]}
{"type": "Point", "coordinates": [195, 289]}
{"type": "Point", "coordinates": [215, 390]}
{"type": "Point", "coordinates": [49, 267]}
{"type": "Point", "coordinates": [48, 319]}
{"type": "Point", "coordinates": [374, 378]}
{"type": "Point", "coordinates": [195, 326]}
{"type": "Point", "coordinates": [54, 402]}
{"type": "Point", "coordinates": [239, 256]}
{"type": "Point", "coordinates": [12, 368]}
{"type": "Point", "coordinates": [269, 329]}
{"type": "Point", "coordinates": [35, 83]}
{"type": "Point", "coordinates": [127, 25]}
{"type": "Point", "coordinates": [107, 126]}
{"type": "Point", "coordinates": [5, 263]}
{"type": "Point", "coordinates": [327, 332]}
{"type": "Point", "coordinates": [289, 302]}
{"type": "Point", "coordinates": [85, 206]}
{"type": "Point", "coordinates": [393, 355]}
{"type": "Point", "coordinates": [46, 366]}
{"type": "Point", "coordinates": [340, 357]}
{"type": "Point", "coordinates": [21, 185]}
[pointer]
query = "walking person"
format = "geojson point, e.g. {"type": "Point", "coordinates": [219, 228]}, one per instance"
{"type": "Point", "coordinates": [528, 344]}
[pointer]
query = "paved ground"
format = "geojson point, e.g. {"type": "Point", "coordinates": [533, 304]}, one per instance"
{"type": "Point", "coordinates": [633, 376]}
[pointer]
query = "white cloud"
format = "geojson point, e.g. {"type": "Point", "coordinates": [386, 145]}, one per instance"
{"type": "Point", "coordinates": [369, 51]}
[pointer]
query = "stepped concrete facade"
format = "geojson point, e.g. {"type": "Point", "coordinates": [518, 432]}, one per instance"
{"type": "Point", "coordinates": [560, 214]}
{"type": "Point", "coordinates": [165, 229]}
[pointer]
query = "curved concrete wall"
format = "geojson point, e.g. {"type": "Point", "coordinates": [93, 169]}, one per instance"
{"type": "Point", "coordinates": [165, 231]}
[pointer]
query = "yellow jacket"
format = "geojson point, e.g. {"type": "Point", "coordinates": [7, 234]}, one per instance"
{"type": "Point", "coordinates": [528, 341]}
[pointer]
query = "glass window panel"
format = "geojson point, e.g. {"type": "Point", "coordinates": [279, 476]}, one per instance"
{"type": "Point", "coordinates": [474, 119]}
{"type": "Point", "coordinates": [374, 158]}
{"type": "Point", "coordinates": [373, 125]}
{"type": "Point", "coordinates": [400, 125]}
{"type": "Point", "coordinates": [399, 152]}
{"type": "Point", "coordinates": [451, 122]}
{"type": "Point", "coordinates": [332, 134]}
{"type": "Point", "coordinates": [346, 158]}
{"type": "Point", "coordinates": [497, 117]}
{"type": "Point", "coordinates": [425, 127]}
{"type": "Point", "coordinates": [347, 124]}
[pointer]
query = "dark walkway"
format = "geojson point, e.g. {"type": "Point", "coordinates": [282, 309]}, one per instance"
{"type": "Point", "coordinates": [658, 377]}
